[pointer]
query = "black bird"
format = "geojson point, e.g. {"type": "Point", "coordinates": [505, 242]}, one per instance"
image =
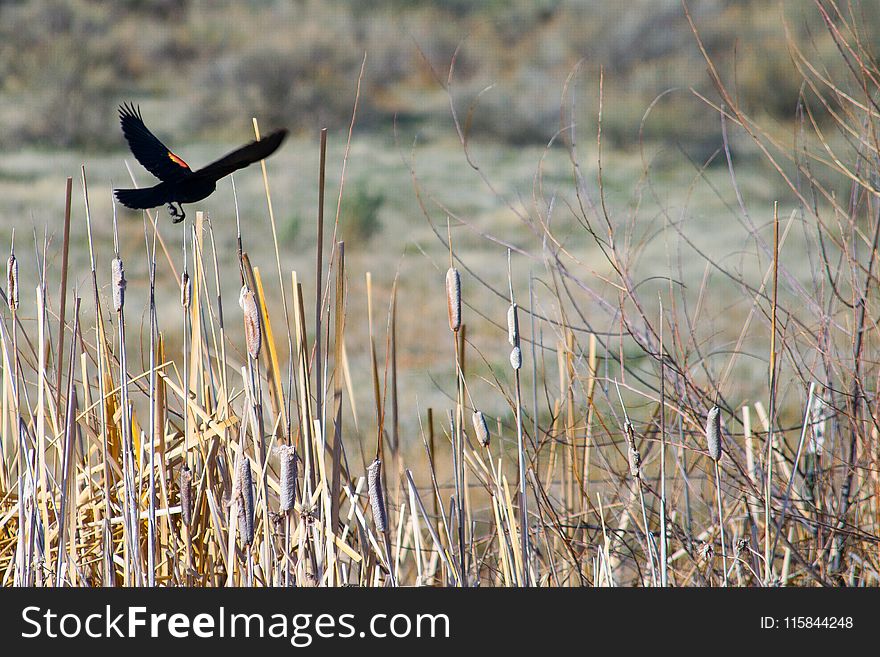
{"type": "Point", "coordinates": [179, 183]}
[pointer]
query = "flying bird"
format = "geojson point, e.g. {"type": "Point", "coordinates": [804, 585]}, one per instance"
{"type": "Point", "coordinates": [180, 184]}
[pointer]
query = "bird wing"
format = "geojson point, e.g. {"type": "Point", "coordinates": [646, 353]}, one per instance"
{"type": "Point", "coordinates": [242, 157]}
{"type": "Point", "coordinates": [142, 198]}
{"type": "Point", "coordinates": [149, 151]}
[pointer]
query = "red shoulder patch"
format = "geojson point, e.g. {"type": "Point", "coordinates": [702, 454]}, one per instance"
{"type": "Point", "coordinates": [177, 160]}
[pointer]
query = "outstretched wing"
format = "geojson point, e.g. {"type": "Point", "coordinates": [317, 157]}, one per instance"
{"type": "Point", "coordinates": [242, 157]}
{"type": "Point", "coordinates": [143, 198]}
{"type": "Point", "coordinates": [149, 151]}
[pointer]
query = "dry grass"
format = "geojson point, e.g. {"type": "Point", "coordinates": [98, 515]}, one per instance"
{"type": "Point", "coordinates": [233, 457]}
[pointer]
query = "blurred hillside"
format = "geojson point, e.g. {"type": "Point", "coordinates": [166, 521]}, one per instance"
{"type": "Point", "coordinates": [65, 64]}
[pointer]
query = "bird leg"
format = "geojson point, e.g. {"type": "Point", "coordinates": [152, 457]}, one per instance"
{"type": "Point", "coordinates": [177, 214]}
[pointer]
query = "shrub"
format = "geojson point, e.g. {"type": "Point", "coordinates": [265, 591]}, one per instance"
{"type": "Point", "coordinates": [360, 219]}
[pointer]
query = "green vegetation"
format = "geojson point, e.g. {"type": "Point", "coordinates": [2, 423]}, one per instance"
{"type": "Point", "coordinates": [360, 219]}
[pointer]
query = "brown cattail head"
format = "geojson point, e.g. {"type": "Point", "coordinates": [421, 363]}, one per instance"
{"type": "Point", "coordinates": [287, 457]}
{"type": "Point", "coordinates": [253, 331]}
{"type": "Point", "coordinates": [185, 290]}
{"type": "Point", "coordinates": [635, 457]}
{"type": "Point", "coordinates": [453, 298]}
{"type": "Point", "coordinates": [713, 433]}
{"type": "Point", "coordinates": [513, 325]}
{"type": "Point", "coordinates": [377, 497]}
{"type": "Point", "coordinates": [481, 429]}
{"type": "Point", "coordinates": [516, 358]}
{"type": "Point", "coordinates": [245, 502]}
{"type": "Point", "coordinates": [186, 495]}
{"type": "Point", "coordinates": [12, 282]}
{"type": "Point", "coordinates": [119, 284]}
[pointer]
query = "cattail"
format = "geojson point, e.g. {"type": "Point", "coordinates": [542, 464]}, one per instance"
{"type": "Point", "coordinates": [252, 329]}
{"type": "Point", "coordinates": [513, 336]}
{"type": "Point", "coordinates": [185, 290]}
{"type": "Point", "coordinates": [186, 495]}
{"type": "Point", "coordinates": [635, 457]}
{"type": "Point", "coordinates": [513, 325]}
{"type": "Point", "coordinates": [12, 281]}
{"type": "Point", "coordinates": [377, 497]}
{"type": "Point", "coordinates": [635, 462]}
{"type": "Point", "coordinates": [481, 429]}
{"type": "Point", "coordinates": [453, 298]}
{"type": "Point", "coordinates": [713, 433]}
{"type": "Point", "coordinates": [287, 458]}
{"type": "Point", "coordinates": [817, 423]}
{"type": "Point", "coordinates": [119, 284]}
{"type": "Point", "coordinates": [245, 502]}
{"type": "Point", "coordinates": [516, 358]}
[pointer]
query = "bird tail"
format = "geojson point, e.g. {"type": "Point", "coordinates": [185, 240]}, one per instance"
{"type": "Point", "coordinates": [141, 199]}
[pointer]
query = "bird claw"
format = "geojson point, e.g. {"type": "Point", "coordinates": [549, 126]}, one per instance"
{"type": "Point", "coordinates": [177, 214]}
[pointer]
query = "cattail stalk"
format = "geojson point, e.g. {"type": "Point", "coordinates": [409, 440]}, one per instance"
{"type": "Point", "coordinates": [154, 403]}
{"type": "Point", "coordinates": [118, 283]}
{"type": "Point", "coordinates": [713, 442]}
{"type": "Point", "coordinates": [516, 364]}
{"type": "Point", "coordinates": [635, 470]}
{"type": "Point", "coordinates": [131, 505]}
{"type": "Point", "coordinates": [185, 303]}
{"type": "Point", "coordinates": [68, 468]}
{"type": "Point", "coordinates": [453, 308]}
{"type": "Point", "coordinates": [107, 547]}
{"type": "Point", "coordinates": [664, 563]}
{"type": "Point", "coordinates": [22, 572]}
{"type": "Point", "coordinates": [65, 253]}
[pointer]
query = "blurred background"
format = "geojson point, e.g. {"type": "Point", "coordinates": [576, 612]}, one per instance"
{"type": "Point", "coordinates": [200, 70]}
{"type": "Point", "coordinates": [66, 64]}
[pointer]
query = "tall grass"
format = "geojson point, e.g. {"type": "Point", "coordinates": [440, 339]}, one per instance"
{"type": "Point", "coordinates": [232, 460]}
